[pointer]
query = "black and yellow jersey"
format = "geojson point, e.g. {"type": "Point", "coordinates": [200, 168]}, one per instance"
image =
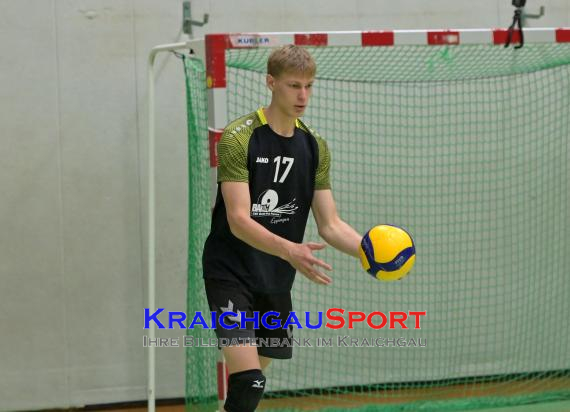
{"type": "Point", "coordinates": [282, 173]}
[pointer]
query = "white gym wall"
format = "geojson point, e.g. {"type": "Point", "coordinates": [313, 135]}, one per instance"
{"type": "Point", "coordinates": [73, 124]}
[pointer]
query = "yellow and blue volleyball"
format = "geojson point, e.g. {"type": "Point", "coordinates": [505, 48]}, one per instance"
{"type": "Point", "coordinates": [387, 252]}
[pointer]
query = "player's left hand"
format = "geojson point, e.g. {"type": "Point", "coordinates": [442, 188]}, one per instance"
{"type": "Point", "coordinates": [301, 257]}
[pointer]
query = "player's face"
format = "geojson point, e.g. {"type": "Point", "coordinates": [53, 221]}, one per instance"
{"type": "Point", "coordinates": [291, 92]}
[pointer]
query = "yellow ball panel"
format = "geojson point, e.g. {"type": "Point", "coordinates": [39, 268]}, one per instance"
{"type": "Point", "coordinates": [388, 241]}
{"type": "Point", "coordinates": [363, 261]}
{"type": "Point", "coordinates": [397, 274]}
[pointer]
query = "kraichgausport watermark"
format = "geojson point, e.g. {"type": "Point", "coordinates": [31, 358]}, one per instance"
{"type": "Point", "coordinates": [232, 318]}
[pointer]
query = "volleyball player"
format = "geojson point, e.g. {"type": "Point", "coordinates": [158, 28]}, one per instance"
{"type": "Point", "coordinates": [272, 170]}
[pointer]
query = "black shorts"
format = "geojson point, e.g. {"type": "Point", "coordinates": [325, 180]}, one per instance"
{"type": "Point", "coordinates": [232, 296]}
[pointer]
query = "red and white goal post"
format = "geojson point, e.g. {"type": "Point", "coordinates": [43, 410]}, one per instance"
{"type": "Point", "coordinates": [215, 47]}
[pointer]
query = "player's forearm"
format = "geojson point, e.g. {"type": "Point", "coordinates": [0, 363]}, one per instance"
{"type": "Point", "coordinates": [257, 236]}
{"type": "Point", "coordinates": [342, 236]}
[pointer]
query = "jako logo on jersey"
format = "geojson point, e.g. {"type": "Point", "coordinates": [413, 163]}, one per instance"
{"type": "Point", "coordinates": [262, 160]}
{"type": "Point", "coordinates": [267, 205]}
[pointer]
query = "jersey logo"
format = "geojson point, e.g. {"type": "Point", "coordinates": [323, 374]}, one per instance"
{"type": "Point", "coordinates": [230, 308]}
{"type": "Point", "coordinates": [258, 384]}
{"type": "Point", "coordinates": [267, 205]}
{"type": "Point", "coordinates": [262, 160]}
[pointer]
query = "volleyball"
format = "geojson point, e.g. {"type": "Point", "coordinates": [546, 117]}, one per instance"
{"type": "Point", "coordinates": [387, 252]}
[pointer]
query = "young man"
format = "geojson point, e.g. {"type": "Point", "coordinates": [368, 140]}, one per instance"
{"type": "Point", "coordinates": [272, 170]}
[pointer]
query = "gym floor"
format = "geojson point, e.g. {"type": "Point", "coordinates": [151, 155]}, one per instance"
{"type": "Point", "coordinates": [545, 407]}
{"type": "Point", "coordinates": [354, 400]}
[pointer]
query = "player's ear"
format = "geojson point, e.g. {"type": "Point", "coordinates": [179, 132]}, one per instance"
{"type": "Point", "coordinates": [270, 81]}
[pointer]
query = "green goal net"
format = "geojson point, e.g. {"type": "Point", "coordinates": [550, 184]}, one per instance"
{"type": "Point", "coordinates": [467, 147]}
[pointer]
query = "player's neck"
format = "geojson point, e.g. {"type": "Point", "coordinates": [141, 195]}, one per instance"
{"type": "Point", "coordinates": [280, 123]}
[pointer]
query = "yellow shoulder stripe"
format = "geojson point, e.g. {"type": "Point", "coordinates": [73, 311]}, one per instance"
{"type": "Point", "coordinates": [263, 119]}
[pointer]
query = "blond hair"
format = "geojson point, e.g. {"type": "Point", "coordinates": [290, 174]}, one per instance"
{"type": "Point", "coordinates": [291, 59]}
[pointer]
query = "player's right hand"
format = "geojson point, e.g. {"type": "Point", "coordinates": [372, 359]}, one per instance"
{"type": "Point", "coordinates": [300, 256]}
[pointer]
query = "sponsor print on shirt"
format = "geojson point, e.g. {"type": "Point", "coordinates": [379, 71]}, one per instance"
{"type": "Point", "coordinates": [267, 205]}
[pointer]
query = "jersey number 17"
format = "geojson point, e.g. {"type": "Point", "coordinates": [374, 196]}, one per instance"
{"type": "Point", "coordinates": [288, 161]}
